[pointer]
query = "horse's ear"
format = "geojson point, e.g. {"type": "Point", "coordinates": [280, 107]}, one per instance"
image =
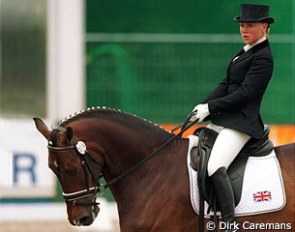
{"type": "Point", "coordinates": [42, 128]}
{"type": "Point", "coordinates": [69, 133]}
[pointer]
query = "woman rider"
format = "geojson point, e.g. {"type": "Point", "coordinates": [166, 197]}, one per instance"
{"type": "Point", "coordinates": [234, 106]}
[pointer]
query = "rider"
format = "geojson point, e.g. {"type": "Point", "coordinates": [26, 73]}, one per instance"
{"type": "Point", "coordinates": [233, 107]}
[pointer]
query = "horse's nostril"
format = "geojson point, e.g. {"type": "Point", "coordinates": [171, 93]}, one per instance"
{"type": "Point", "coordinates": [85, 221]}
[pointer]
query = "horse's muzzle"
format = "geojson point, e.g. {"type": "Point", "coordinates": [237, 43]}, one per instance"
{"type": "Point", "coordinates": [82, 216]}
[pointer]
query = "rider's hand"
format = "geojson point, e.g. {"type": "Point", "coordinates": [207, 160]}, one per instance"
{"type": "Point", "coordinates": [200, 112]}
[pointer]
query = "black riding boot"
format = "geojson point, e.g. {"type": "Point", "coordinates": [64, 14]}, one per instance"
{"type": "Point", "coordinates": [225, 197]}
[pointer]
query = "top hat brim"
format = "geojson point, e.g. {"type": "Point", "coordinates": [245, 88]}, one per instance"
{"type": "Point", "coordinates": [266, 19]}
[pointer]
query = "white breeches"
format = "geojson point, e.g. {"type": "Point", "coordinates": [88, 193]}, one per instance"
{"type": "Point", "coordinates": [227, 146]}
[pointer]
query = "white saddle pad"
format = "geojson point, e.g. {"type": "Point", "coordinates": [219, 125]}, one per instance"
{"type": "Point", "coordinates": [263, 188]}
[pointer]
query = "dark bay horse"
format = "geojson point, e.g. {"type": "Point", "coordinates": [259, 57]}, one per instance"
{"type": "Point", "coordinates": [154, 197]}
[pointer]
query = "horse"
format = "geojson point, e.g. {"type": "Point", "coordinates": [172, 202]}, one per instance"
{"type": "Point", "coordinates": [152, 193]}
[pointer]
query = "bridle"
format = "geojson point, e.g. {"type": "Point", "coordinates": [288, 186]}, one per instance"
{"type": "Point", "coordinates": [80, 148]}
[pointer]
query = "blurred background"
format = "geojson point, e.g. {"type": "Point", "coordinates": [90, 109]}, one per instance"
{"type": "Point", "coordinates": [155, 59]}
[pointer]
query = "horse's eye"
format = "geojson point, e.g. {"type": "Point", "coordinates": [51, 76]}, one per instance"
{"type": "Point", "coordinates": [71, 171]}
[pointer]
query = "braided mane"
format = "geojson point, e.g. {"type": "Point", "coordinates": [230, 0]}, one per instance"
{"type": "Point", "coordinates": [110, 114]}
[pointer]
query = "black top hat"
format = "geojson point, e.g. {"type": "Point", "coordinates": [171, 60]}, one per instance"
{"type": "Point", "coordinates": [254, 13]}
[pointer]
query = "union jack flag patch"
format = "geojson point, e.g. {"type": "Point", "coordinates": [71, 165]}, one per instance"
{"type": "Point", "coordinates": [262, 196]}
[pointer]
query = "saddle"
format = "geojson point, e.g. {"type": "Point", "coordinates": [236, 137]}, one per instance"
{"type": "Point", "coordinates": [200, 156]}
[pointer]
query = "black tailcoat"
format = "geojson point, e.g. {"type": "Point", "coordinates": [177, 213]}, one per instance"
{"type": "Point", "coordinates": [235, 103]}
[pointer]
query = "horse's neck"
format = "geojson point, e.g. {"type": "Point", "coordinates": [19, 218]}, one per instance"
{"type": "Point", "coordinates": [133, 143]}
{"type": "Point", "coordinates": [123, 145]}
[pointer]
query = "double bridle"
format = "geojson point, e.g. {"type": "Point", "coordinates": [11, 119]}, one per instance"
{"type": "Point", "coordinates": [80, 148]}
{"type": "Point", "coordinates": [85, 157]}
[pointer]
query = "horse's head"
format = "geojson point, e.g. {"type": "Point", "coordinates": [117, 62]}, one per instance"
{"type": "Point", "coordinates": [77, 171]}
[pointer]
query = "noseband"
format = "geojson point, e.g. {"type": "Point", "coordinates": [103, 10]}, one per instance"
{"type": "Point", "coordinates": [80, 148]}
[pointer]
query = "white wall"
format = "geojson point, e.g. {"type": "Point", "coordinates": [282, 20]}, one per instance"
{"type": "Point", "coordinates": [24, 172]}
